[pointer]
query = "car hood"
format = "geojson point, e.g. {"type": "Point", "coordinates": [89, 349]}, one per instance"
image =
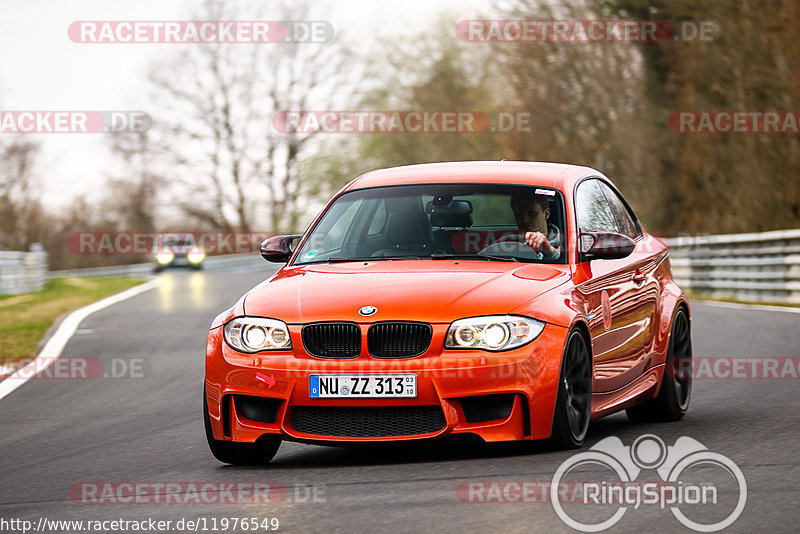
{"type": "Point", "coordinates": [429, 291]}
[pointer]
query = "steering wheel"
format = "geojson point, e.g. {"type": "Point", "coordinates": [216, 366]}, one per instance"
{"type": "Point", "coordinates": [509, 247]}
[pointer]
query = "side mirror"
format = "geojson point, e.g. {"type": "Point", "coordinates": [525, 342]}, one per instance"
{"type": "Point", "coordinates": [278, 248]}
{"type": "Point", "coordinates": [605, 245]}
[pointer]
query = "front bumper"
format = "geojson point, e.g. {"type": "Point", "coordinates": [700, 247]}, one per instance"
{"type": "Point", "coordinates": [501, 396]}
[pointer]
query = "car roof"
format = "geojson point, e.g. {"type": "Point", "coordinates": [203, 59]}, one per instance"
{"type": "Point", "coordinates": [557, 175]}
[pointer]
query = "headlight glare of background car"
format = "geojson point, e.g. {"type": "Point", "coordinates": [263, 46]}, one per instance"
{"type": "Point", "coordinates": [164, 257]}
{"type": "Point", "coordinates": [495, 332]}
{"type": "Point", "coordinates": [254, 334]}
{"type": "Point", "coordinates": [196, 255]}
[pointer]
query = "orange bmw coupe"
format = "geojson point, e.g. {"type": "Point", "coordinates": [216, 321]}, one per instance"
{"type": "Point", "coordinates": [508, 300]}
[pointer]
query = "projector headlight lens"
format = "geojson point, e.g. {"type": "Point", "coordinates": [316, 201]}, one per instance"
{"type": "Point", "coordinates": [466, 335]}
{"type": "Point", "coordinates": [493, 332]}
{"type": "Point", "coordinates": [254, 334]}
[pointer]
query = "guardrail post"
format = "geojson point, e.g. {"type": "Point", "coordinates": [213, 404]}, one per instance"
{"type": "Point", "coordinates": [22, 272]}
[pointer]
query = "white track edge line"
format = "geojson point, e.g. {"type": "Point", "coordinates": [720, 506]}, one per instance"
{"type": "Point", "coordinates": [52, 349]}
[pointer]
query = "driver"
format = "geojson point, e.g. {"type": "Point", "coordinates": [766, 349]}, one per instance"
{"type": "Point", "coordinates": [531, 214]}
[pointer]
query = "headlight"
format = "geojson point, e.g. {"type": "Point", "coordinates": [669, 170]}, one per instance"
{"type": "Point", "coordinates": [163, 257]}
{"type": "Point", "coordinates": [493, 332]}
{"type": "Point", "coordinates": [196, 255]}
{"type": "Point", "coordinates": [254, 334]}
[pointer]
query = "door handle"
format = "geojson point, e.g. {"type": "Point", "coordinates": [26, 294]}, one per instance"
{"type": "Point", "coordinates": [639, 277]}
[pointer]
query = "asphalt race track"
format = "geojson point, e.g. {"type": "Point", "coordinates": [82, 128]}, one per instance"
{"type": "Point", "coordinates": [147, 428]}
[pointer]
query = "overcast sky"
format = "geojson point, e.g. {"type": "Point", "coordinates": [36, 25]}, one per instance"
{"type": "Point", "coordinates": [41, 69]}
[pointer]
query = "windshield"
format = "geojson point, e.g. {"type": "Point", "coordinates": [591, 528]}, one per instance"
{"type": "Point", "coordinates": [440, 221]}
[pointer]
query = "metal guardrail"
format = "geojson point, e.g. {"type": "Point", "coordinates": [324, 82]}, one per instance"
{"type": "Point", "coordinates": [758, 267]}
{"type": "Point", "coordinates": [22, 272]}
{"type": "Point", "coordinates": [228, 262]}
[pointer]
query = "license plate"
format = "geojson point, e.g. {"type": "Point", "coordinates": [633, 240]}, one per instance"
{"type": "Point", "coordinates": [362, 386]}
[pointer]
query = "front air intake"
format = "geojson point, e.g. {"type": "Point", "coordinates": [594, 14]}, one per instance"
{"type": "Point", "coordinates": [261, 409]}
{"type": "Point", "coordinates": [368, 422]}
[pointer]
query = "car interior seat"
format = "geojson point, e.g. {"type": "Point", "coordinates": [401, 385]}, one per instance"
{"type": "Point", "coordinates": [449, 219]}
{"type": "Point", "coordinates": [407, 233]}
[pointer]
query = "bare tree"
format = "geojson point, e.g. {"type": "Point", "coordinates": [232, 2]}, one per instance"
{"type": "Point", "coordinates": [587, 100]}
{"type": "Point", "coordinates": [721, 182]}
{"type": "Point", "coordinates": [132, 193]}
{"type": "Point", "coordinates": [21, 213]}
{"type": "Point", "coordinates": [216, 104]}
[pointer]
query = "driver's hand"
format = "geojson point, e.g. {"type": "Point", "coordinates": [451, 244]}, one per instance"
{"type": "Point", "coordinates": [539, 243]}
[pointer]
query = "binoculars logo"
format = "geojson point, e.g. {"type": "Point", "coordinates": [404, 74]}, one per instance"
{"type": "Point", "coordinates": [626, 463]}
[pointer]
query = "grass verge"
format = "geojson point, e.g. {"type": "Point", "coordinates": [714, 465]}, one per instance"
{"type": "Point", "coordinates": [25, 318]}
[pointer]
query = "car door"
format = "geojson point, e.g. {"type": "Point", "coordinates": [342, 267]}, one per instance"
{"type": "Point", "coordinates": [620, 293]}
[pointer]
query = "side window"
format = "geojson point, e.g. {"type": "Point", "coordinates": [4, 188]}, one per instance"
{"type": "Point", "coordinates": [621, 213]}
{"type": "Point", "coordinates": [593, 210]}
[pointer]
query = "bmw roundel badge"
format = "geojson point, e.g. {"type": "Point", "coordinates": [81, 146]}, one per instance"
{"type": "Point", "coordinates": [366, 311]}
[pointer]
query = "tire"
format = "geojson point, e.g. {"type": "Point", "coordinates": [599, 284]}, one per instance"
{"type": "Point", "coordinates": [229, 452]}
{"type": "Point", "coordinates": [673, 399]}
{"type": "Point", "coordinates": [574, 400]}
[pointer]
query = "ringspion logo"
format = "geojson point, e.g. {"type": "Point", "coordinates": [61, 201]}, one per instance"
{"type": "Point", "coordinates": [684, 496]}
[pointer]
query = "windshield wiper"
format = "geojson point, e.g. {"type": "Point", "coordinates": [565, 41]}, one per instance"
{"type": "Point", "coordinates": [473, 257]}
{"type": "Point", "coordinates": [373, 258]}
{"type": "Point", "coordinates": [486, 257]}
{"type": "Point", "coordinates": [345, 260]}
